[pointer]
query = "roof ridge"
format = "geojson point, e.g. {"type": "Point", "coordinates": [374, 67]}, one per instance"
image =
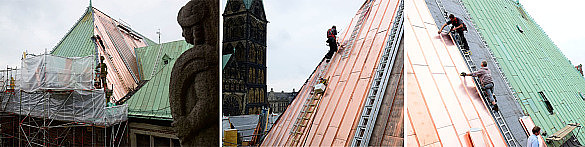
{"type": "Point", "coordinates": [112, 18]}
{"type": "Point", "coordinates": [73, 27]}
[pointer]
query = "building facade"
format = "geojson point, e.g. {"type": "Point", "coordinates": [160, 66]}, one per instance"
{"type": "Point", "coordinates": [244, 77]}
{"type": "Point", "coordinates": [279, 101]}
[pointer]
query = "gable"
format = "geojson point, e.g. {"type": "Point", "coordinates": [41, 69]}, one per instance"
{"type": "Point", "coordinates": [77, 42]}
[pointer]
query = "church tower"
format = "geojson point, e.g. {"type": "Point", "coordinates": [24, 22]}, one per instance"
{"type": "Point", "coordinates": [244, 76]}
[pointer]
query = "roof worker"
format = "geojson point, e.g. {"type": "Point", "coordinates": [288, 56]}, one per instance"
{"type": "Point", "coordinates": [459, 27]}
{"type": "Point", "coordinates": [103, 71]}
{"type": "Point", "coordinates": [532, 141]}
{"type": "Point", "coordinates": [485, 78]}
{"type": "Point", "coordinates": [331, 39]}
{"type": "Point", "coordinates": [580, 68]}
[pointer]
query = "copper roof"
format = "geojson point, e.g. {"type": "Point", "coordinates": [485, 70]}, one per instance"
{"type": "Point", "coordinates": [443, 108]}
{"type": "Point", "coordinates": [119, 43]}
{"type": "Point", "coordinates": [335, 120]}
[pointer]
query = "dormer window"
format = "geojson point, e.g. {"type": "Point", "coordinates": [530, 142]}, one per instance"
{"type": "Point", "coordinates": [166, 59]}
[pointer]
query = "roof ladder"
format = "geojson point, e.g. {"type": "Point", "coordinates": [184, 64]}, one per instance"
{"type": "Point", "coordinates": [510, 141]}
{"type": "Point", "coordinates": [357, 28]}
{"type": "Point", "coordinates": [310, 106]}
{"type": "Point", "coordinates": [372, 103]}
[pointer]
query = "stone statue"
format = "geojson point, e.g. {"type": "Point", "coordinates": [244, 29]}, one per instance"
{"type": "Point", "coordinates": [194, 85]}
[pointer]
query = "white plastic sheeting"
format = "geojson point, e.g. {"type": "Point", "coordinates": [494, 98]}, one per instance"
{"type": "Point", "coordinates": [56, 73]}
{"type": "Point", "coordinates": [79, 106]}
{"type": "Point", "coordinates": [76, 100]}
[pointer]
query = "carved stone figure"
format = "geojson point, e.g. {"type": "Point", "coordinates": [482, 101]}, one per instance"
{"type": "Point", "coordinates": [194, 85]}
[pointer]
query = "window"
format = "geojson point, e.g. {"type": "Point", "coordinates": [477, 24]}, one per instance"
{"type": "Point", "coordinates": [142, 140]}
{"type": "Point", "coordinates": [166, 59]}
{"type": "Point", "coordinates": [160, 141]}
{"type": "Point", "coordinates": [547, 103]}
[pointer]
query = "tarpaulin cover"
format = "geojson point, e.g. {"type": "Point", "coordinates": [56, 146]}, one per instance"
{"type": "Point", "coordinates": [56, 73]}
{"type": "Point", "coordinates": [79, 106]}
{"type": "Point", "coordinates": [61, 88]}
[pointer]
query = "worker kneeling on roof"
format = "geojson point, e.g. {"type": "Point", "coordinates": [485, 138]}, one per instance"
{"type": "Point", "coordinates": [331, 39]}
{"type": "Point", "coordinates": [459, 27]}
{"type": "Point", "coordinates": [485, 78]}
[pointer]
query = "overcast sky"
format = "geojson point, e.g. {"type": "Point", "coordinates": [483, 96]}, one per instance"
{"type": "Point", "coordinates": [36, 25]}
{"type": "Point", "coordinates": [296, 37]}
{"type": "Point", "coordinates": [296, 33]}
{"type": "Point", "coordinates": [296, 30]}
{"type": "Point", "coordinates": [562, 22]}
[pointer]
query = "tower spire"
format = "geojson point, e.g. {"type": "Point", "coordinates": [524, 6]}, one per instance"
{"type": "Point", "coordinates": [90, 4]}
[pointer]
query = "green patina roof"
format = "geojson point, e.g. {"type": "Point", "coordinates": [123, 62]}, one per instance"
{"type": "Point", "coordinates": [531, 63]}
{"type": "Point", "coordinates": [146, 56]}
{"type": "Point", "coordinates": [78, 43]}
{"type": "Point", "coordinates": [248, 3]}
{"type": "Point", "coordinates": [225, 59]}
{"type": "Point", "coordinates": [152, 99]}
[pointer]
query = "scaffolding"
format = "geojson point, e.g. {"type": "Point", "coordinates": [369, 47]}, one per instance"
{"type": "Point", "coordinates": [52, 101]}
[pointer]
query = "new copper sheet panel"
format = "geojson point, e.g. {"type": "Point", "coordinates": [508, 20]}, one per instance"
{"type": "Point", "coordinates": [119, 76]}
{"type": "Point", "coordinates": [442, 106]}
{"type": "Point", "coordinates": [336, 118]}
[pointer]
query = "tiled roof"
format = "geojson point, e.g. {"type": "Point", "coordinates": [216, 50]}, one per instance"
{"type": "Point", "coordinates": [152, 99]}
{"type": "Point", "coordinates": [532, 63]}
{"type": "Point", "coordinates": [335, 120]}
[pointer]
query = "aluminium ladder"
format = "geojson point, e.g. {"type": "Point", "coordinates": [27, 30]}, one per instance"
{"type": "Point", "coordinates": [310, 106]}
{"type": "Point", "coordinates": [500, 121]}
{"type": "Point", "coordinates": [510, 141]}
{"type": "Point", "coordinates": [373, 101]}
{"type": "Point", "coordinates": [348, 45]}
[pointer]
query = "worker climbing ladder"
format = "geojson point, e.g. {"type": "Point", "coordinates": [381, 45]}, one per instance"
{"type": "Point", "coordinates": [372, 103]}
{"type": "Point", "coordinates": [499, 119]}
{"type": "Point", "coordinates": [364, 13]}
